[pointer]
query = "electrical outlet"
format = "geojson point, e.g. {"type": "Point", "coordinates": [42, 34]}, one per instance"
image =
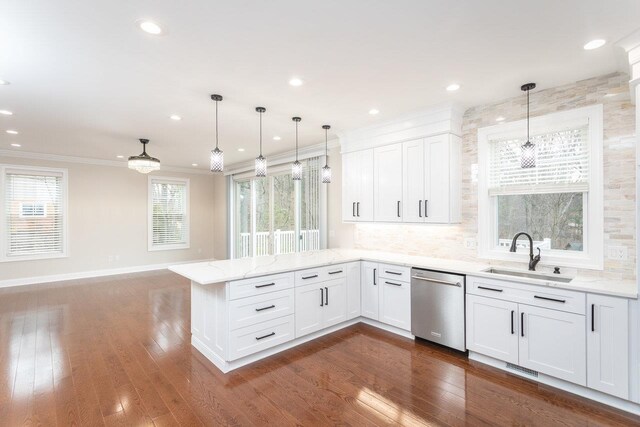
{"type": "Point", "coordinates": [470, 243]}
{"type": "Point", "coordinates": [618, 253]}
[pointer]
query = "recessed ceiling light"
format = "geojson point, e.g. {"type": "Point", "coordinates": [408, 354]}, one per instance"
{"type": "Point", "coordinates": [16, 145]}
{"type": "Point", "coordinates": [276, 138]}
{"type": "Point", "coordinates": [500, 119]}
{"type": "Point", "coordinates": [194, 164]}
{"type": "Point", "coordinates": [594, 44]}
{"type": "Point", "coordinates": [373, 111]}
{"type": "Point", "coordinates": [175, 117]}
{"type": "Point", "coordinates": [150, 27]}
{"type": "Point", "coordinates": [4, 82]}
{"type": "Point", "coordinates": [240, 149]}
{"type": "Point", "coordinates": [6, 113]}
{"type": "Point", "coordinates": [120, 157]}
{"type": "Point", "coordinates": [295, 82]}
{"type": "Point", "coordinates": [12, 132]}
{"type": "Point", "coordinates": [453, 87]}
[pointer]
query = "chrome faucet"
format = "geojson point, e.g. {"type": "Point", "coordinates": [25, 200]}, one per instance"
{"type": "Point", "coordinates": [533, 260]}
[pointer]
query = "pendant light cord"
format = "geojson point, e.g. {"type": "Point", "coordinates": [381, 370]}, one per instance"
{"type": "Point", "coordinates": [260, 133]}
{"type": "Point", "coordinates": [296, 141]}
{"type": "Point", "coordinates": [326, 153]}
{"type": "Point", "coordinates": [528, 115]}
{"type": "Point", "coordinates": [216, 124]}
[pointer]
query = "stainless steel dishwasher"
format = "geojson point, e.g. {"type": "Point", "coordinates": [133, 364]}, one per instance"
{"type": "Point", "coordinates": [437, 307]}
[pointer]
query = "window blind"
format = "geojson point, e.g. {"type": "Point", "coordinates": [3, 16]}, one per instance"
{"type": "Point", "coordinates": [562, 164]}
{"type": "Point", "coordinates": [169, 213]}
{"type": "Point", "coordinates": [34, 213]}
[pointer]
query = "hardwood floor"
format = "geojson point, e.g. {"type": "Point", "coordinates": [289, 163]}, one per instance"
{"type": "Point", "coordinates": [115, 351]}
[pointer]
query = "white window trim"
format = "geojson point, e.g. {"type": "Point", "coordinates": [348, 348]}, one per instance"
{"type": "Point", "coordinates": [65, 213]}
{"type": "Point", "coordinates": [150, 246]}
{"type": "Point", "coordinates": [592, 256]}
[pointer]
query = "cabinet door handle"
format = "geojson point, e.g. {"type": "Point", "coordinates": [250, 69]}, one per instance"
{"type": "Point", "coordinates": [374, 276]}
{"type": "Point", "coordinates": [394, 284]}
{"type": "Point", "coordinates": [426, 209]}
{"type": "Point", "coordinates": [321, 297]}
{"type": "Point", "coordinates": [265, 308]}
{"type": "Point", "coordinates": [358, 209]}
{"type": "Point", "coordinates": [326, 296]}
{"type": "Point", "coordinates": [265, 336]}
{"type": "Point", "coordinates": [264, 286]}
{"type": "Point", "coordinates": [398, 208]}
{"type": "Point", "coordinates": [522, 324]}
{"type": "Point", "coordinates": [309, 277]}
{"type": "Point", "coordinates": [513, 331]}
{"type": "Point", "coordinates": [550, 299]}
{"type": "Point", "coordinates": [420, 208]}
{"type": "Point", "coordinates": [335, 272]}
{"type": "Point", "coordinates": [393, 272]}
{"type": "Point", "coordinates": [490, 289]}
{"type": "Point", "coordinates": [353, 209]}
{"type": "Point", "coordinates": [593, 317]}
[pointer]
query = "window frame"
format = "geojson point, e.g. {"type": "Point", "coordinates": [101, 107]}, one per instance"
{"type": "Point", "coordinates": [592, 257]}
{"type": "Point", "coordinates": [151, 247]}
{"type": "Point", "coordinates": [64, 186]}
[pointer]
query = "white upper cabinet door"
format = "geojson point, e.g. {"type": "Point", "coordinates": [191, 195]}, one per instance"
{"type": "Point", "coordinates": [353, 290]}
{"type": "Point", "coordinates": [413, 181]}
{"type": "Point", "coordinates": [370, 290]}
{"type": "Point", "coordinates": [395, 303]}
{"type": "Point", "coordinates": [492, 327]}
{"type": "Point", "coordinates": [309, 304]}
{"type": "Point", "coordinates": [608, 345]}
{"type": "Point", "coordinates": [387, 183]}
{"type": "Point", "coordinates": [553, 343]}
{"type": "Point", "coordinates": [364, 202]}
{"type": "Point", "coordinates": [436, 179]}
{"type": "Point", "coordinates": [335, 302]}
{"type": "Point", "coordinates": [350, 185]}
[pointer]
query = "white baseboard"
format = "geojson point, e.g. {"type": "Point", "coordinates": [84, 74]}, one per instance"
{"type": "Point", "coordinates": [23, 281]}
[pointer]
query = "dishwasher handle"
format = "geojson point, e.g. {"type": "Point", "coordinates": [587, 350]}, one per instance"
{"type": "Point", "coordinates": [442, 282]}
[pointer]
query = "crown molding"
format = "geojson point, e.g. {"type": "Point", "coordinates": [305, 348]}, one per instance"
{"type": "Point", "coordinates": [89, 161]}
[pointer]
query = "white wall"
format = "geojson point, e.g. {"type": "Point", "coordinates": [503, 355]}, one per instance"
{"type": "Point", "coordinates": [107, 217]}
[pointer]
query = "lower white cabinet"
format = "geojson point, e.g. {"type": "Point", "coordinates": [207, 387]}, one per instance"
{"type": "Point", "coordinates": [320, 305]}
{"type": "Point", "coordinates": [553, 342]}
{"type": "Point", "coordinates": [492, 327]}
{"type": "Point", "coordinates": [608, 345]}
{"type": "Point", "coordinates": [369, 290]}
{"type": "Point", "coordinates": [353, 290]}
{"type": "Point", "coordinates": [395, 303]}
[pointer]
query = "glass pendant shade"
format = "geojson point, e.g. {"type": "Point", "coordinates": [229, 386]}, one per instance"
{"type": "Point", "coordinates": [217, 160]}
{"type": "Point", "coordinates": [143, 162]}
{"type": "Point", "coordinates": [326, 174]}
{"type": "Point", "coordinates": [296, 170]}
{"type": "Point", "coordinates": [528, 157]}
{"type": "Point", "coordinates": [261, 166]}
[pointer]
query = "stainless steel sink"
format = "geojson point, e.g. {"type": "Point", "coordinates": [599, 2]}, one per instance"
{"type": "Point", "coordinates": [530, 275]}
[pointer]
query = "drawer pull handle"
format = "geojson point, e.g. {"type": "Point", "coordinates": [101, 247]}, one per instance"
{"type": "Point", "coordinates": [335, 272]}
{"type": "Point", "coordinates": [265, 308]}
{"type": "Point", "coordinates": [512, 322]}
{"type": "Point", "coordinates": [490, 289]}
{"type": "Point", "coordinates": [265, 336]}
{"type": "Point", "coordinates": [309, 277]}
{"type": "Point", "coordinates": [321, 297]}
{"type": "Point", "coordinates": [374, 276]}
{"type": "Point", "coordinates": [326, 293]}
{"type": "Point", "coordinates": [593, 317]}
{"type": "Point", "coordinates": [393, 272]}
{"type": "Point", "coordinates": [264, 286]}
{"type": "Point", "coordinates": [550, 299]}
{"type": "Point", "coordinates": [521, 324]}
{"type": "Point", "coordinates": [394, 284]}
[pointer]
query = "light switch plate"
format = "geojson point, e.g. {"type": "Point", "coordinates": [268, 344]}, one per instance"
{"type": "Point", "coordinates": [618, 253]}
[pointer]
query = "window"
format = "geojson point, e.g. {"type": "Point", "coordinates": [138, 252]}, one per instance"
{"type": "Point", "coordinates": [168, 213]}
{"type": "Point", "coordinates": [34, 212]}
{"type": "Point", "coordinates": [276, 215]}
{"type": "Point", "coordinates": [558, 202]}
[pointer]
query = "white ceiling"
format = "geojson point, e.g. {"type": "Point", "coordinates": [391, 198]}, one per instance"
{"type": "Point", "coordinates": [85, 81]}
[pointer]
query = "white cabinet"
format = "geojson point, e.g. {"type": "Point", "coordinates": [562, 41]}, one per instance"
{"type": "Point", "coordinates": [395, 303]}
{"type": "Point", "coordinates": [320, 305]}
{"type": "Point", "coordinates": [492, 327]}
{"type": "Point", "coordinates": [553, 342]}
{"type": "Point", "coordinates": [353, 290]}
{"type": "Point", "coordinates": [335, 302]}
{"type": "Point", "coordinates": [431, 179]}
{"type": "Point", "coordinates": [608, 345]}
{"type": "Point", "coordinates": [387, 183]}
{"type": "Point", "coordinates": [357, 186]}
{"type": "Point", "coordinates": [370, 294]}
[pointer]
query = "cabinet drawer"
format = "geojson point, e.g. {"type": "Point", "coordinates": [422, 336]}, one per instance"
{"type": "Point", "coordinates": [319, 274]}
{"type": "Point", "coordinates": [260, 285]}
{"type": "Point", "coordinates": [394, 272]}
{"type": "Point", "coordinates": [539, 296]}
{"type": "Point", "coordinates": [255, 338]}
{"type": "Point", "coordinates": [260, 308]}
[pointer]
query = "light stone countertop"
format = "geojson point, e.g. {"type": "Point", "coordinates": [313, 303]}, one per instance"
{"type": "Point", "coordinates": [210, 272]}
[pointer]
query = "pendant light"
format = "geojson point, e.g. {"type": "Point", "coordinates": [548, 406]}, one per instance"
{"type": "Point", "coordinates": [217, 156]}
{"type": "Point", "coordinates": [528, 159]}
{"type": "Point", "coordinates": [261, 162]}
{"type": "Point", "coordinates": [326, 170]}
{"type": "Point", "coordinates": [144, 163]}
{"type": "Point", "coordinates": [296, 168]}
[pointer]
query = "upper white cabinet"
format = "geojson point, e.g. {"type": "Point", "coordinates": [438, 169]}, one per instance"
{"type": "Point", "coordinates": [387, 183]}
{"type": "Point", "coordinates": [357, 186]}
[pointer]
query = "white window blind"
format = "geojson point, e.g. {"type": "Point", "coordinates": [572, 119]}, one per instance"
{"type": "Point", "coordinates": [33, 213]}
{"type": "Point", "coordinates": [562, 163]}
{"type": "Point", "coordinates": [169, 214]}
